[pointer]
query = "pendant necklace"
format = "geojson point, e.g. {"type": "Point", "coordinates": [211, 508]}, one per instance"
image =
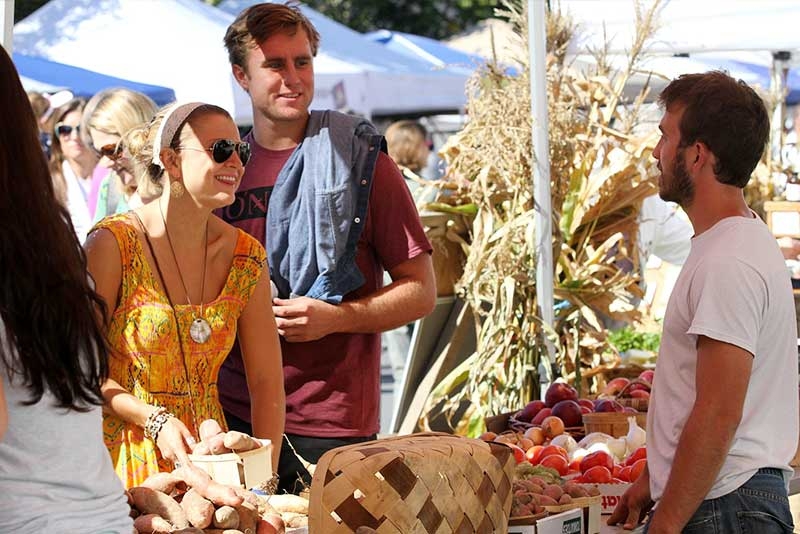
{"type": "Point", "coordinates": [200, 330]}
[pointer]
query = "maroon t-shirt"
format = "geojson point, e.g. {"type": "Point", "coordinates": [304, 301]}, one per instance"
{"type": "Point", "coordinates": [332, 384]}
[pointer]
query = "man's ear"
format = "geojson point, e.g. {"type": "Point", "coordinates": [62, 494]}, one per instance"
{"type": "Point", "coordinates": [241, 77]}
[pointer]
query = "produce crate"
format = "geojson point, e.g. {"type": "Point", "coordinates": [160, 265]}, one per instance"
{"type": "Point", "coordinates": [249, 469]}
{"type": "Point", "coordinates": [611, 423]}
{"type": "Point", "coordinates": [610, 495]}
{"type": "Point", "coordinates": [428, 482]}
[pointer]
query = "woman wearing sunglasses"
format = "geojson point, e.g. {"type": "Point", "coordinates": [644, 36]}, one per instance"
{"type": "Point", "coordinates": [181, 286]}
{"type": "Point", "coordinates": [108, 116]}
{"type": "Point", "coordinates": [71, 165]}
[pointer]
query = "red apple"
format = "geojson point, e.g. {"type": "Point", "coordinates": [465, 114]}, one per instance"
{"type": "Point", "coordinates": [586, 402]}
{"type": "Point", "coordinates": [568, 411]}
{"type": "Point", "coordinates": [647, 375]}
{"type": "Point", "coordinates": [615, 386]}
{"type": "Point", "coordinates": [607, 405]}
{"type": "Point", "coordinates": [559, 391]}
{"type": "Point", "coordinates": [530, 410]}
{"type": "Point", "coordinates": [640, 394]}
{"type": "Point", "coordinates": [541, 416]}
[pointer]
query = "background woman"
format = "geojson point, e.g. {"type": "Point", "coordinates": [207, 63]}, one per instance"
{"type": "Point", "coordinates": [108, 115]}
{"type": "Point", "coordinates": [55, 474]}
{"type": "Point", "coordinates": [181, 283]}
{"type": "Point", "coordinates": [71, 165]}
{"type": "Point", "coordinates": [407, 142]}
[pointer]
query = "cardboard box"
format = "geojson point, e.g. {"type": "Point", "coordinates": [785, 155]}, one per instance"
{"type": "Point", "coordinates": [248, 469]}
{"type": "Point", "coordinates": [610, 495]}
{"type": "Point", "coordinates": [589, 510]}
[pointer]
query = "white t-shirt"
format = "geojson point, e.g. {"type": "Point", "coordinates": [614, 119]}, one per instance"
{"type": "Point", "coordinates": [77, 201]}
{"type": "Point", "coordinates": [663, 232]}
{"type": "Point", "coordinates": [734, 287]}
{"type": "Point", "coordinates": [55, 471]}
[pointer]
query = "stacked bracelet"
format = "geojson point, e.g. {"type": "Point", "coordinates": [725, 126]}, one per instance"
{"type": "Point", "coordinates": [154, 422]}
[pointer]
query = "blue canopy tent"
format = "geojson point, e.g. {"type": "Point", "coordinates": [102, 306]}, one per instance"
{"type": "Point", "coordinates": [426, 49]}
{"type": "Point", "coordinates": [82, 82]}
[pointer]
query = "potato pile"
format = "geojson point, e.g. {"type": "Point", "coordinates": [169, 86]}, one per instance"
{"type": "Point", "coordinates": [188, 501]}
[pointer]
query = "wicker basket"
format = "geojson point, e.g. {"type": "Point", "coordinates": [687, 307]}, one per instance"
{"type": "Point", "coordinates": [611, 423]}
{"type": "Point", "coordinates": [422, 483]}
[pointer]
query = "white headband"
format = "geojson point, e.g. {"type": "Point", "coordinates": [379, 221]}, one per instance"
{"type": "Point", "coordinates": [170, 124]}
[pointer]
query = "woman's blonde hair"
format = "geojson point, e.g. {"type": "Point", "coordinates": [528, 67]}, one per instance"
{"type": "Point", "coordinates": [114, 112]}
{"type": "Point", "coordinates": [139, 142]}
{"type": "Point", "coordinates": [407, 143]}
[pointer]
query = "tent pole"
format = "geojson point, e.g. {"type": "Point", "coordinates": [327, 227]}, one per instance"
{"type": "Point", "coordinates": [537, 45]}
{"type": "Point", "coordinates": [7, 23]}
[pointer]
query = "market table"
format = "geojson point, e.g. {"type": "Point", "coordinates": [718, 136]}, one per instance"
{"type": "Point", "coordinates": [794, 488]}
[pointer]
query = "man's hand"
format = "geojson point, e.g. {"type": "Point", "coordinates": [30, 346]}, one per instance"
{"type": "Point", "coordinates": [304, 319]}
{"type": "Point", "coordinates": [634, 504]}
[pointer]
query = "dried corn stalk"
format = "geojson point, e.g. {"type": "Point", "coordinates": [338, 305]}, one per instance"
{"type": "Point", "coordinates": [600, 173]}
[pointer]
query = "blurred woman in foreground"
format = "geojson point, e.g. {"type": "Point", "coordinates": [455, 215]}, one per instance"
{"type": "Point", "coordinates": [55, 474]}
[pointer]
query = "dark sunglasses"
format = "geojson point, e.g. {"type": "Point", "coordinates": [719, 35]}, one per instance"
{"type": "Point", "coordinates": [222, 150]}
{"type": "Point", "coordinates": [65, 129]}
{"type": "Point", "coordinates": [112, 151]}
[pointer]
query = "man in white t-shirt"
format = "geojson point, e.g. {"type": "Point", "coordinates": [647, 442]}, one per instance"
{"type": "Point", "coordinates": [723, 419]}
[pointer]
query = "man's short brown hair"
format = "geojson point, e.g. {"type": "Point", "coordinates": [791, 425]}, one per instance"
{"type": "Point", "coordinates": [726, 115]}
{"type": "Point", "coordinates": [259, 22]}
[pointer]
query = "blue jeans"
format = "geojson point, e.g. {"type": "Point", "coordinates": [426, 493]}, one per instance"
{"type": "Point", "coordinates": [759, 506]}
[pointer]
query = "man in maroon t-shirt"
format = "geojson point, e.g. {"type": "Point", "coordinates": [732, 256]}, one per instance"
{"type": "Point", "coordinates": [331, 353]}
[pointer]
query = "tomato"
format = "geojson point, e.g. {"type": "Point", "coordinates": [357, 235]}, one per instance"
{"type": "Point", "coordinates": [575, 465]}
{"type": "Point", "coordinates": [554, 449]}
{"type": "Point", "coordinates": [600, 458]}
{"type": "Point", "coordinates": [534, 454]}
{"type": "Point", "coordinates": [598, 475]}
{"type": "Point", "coordinates": [625, 474]}
{"type": "Point", "coordinates": [519, 454]}
{"type": "Point", "coordinates": [638, 454]}
{"type": "Point", "coordinates": [615, 471]}
{"type": "Point", "coordinates": [557, 462]}
{"type": "Point", "coordinates": [637, 468]}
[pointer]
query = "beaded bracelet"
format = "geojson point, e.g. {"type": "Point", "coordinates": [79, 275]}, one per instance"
{"type": "Point", "coordinates": [154, 422]}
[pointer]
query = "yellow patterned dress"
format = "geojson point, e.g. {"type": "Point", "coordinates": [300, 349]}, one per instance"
{"type": "Point", "coordinates": [146, 348]}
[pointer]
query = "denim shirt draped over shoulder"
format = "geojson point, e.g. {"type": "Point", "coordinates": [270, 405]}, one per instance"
{"type": "Point", "coordinates": [318, 207]}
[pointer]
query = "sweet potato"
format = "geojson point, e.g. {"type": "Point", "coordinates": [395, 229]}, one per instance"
{"type": "Point", "coordinates": [152, 524]}
{"type": "Point", "coordinates": [150, 501]}
{"type": "Point", "coordinates": [209, 428]}
{"type": "Point", "coordinates": [289, 503]}
{"type": "Point", "coordinates": [163, 482]}
{"type": "Point", "coordinates": [294, 520]}
{"type": "Point", "coordinates": [222, 531]}
{"type": "Point", "coordinates": [271, 524]}
{"type": "Point", "coordinates": [216, 444]}
{"type": "Point", "coordinates": [211, 490]}
{"type": "Point", "coordinates": [189, 530]}
{"type": "Point", "coordinates": [226, 517]}
{"type": "Point", "coordinates": [249, 497]}
{"type": "Point", "coordinates": [199, 510]}
{"type": "Point", "coordinates": [248, 518]}
{"type": "Point", "coordinates": [239, 441]}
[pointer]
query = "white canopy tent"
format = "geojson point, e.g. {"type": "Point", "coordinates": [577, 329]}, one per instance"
{"type": "Point", "coordinates": [178, 44]}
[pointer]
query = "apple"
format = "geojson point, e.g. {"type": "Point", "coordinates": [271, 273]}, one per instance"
{"type": "Point", "coordinates": [608, 405]}
{"type": "Point", "coordinates": [640, 394]}
{"type": "Point", "coordinates": [586, 402]}
{"type": "Point", "coordinates": [569, 412]}
{"type": "Point", "coordinates": [530, 410]}
{"type": "Point", "coordinates": [615, 386]}
{"type": "Point", "coordinates": [543, 414]}
{"type": "Point", "coordinates": [559, 391]}
{"type": "Point", "coordinates": [647, 376]}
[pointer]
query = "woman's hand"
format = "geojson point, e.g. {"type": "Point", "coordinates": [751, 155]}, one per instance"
{"type": "Point", "coordinates": [175, 441]}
